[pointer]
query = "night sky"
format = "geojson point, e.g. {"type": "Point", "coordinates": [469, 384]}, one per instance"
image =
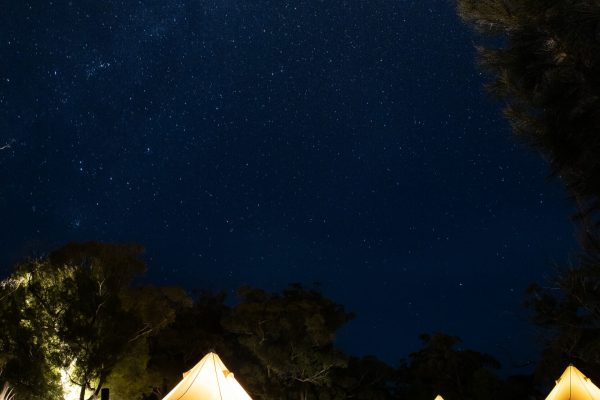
{"type": "Point", "coordinates": [265, 142]}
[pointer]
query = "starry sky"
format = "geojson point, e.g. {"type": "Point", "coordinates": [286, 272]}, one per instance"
{"type": "Point", "coordinates": [264, 142]}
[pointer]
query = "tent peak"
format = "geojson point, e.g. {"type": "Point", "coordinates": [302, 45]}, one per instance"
{"type": "Point", "coordinates": [574, 385]}
{"type": "Point", "coordinates": [208, 380]}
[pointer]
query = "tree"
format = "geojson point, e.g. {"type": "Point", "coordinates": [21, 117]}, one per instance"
{"type": "Point", "coordinates": [439, 368]}
{"type": "Point", "coordinates": [291, 335]}
{"type": "Point", "coordinates": [364, 378]}
{"type": "Point", "coordinates": [546, 67]}
{"type": "Point", "coordinates": [569, 313]}
{"type": "Point", "coordinates": [94, 328]}
{"type": "Point", "coordinates": [195, 331]}
{"type": "Point", "coordinates": [81, 313]}
{"type": "Point", "coordinates": [262, 368]}
{"type": "Point", "coordinates": [26, 364]}
{"type": "Point", "coordinates": [133, 375]}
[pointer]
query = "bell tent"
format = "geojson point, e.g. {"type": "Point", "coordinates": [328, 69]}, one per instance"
{"type": "Point", "coordinates": [573, 385]}
{"type": "Point", "coordinates": [208, 380]}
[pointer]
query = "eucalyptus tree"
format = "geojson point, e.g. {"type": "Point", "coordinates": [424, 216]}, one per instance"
{"type": "Point", "coordinates": [292, 337]}
{"type": "Point", "coordinates": [81, 314]}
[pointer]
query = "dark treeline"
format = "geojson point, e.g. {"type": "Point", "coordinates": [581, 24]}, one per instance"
{"type": "Point", "coordinates": [78, 316]}
{"type": "Point", "coordinates": [544, 65]}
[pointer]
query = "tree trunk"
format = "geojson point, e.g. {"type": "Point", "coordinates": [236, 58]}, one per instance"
{"type": "Point", "coordinates": [98, 389]}
{"type": "Point", "coordinates": [82, 392]}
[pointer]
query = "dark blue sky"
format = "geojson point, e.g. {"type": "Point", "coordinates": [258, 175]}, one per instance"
{"type": "Point", "coordinates": [266, 142]}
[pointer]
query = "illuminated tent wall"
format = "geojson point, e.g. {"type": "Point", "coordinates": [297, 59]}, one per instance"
{"type": "Point", "coordinates": [573, 385]}
{"type": "Point", "coordinates": [208, 380]}
{"type": "Point", "coordinates": [438, 397]}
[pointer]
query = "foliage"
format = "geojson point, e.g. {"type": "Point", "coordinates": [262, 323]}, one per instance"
{"type": "Point", "coordinates": [546, 66]}
{"type": "Point", "coordinates": [133, 376]}
{"type": "Point", "coordinates": [364, 378]}
{"type": "Point", "coordinates": [80, 310]}
{"type": "Point", "coordinates": [195, 331]}
{"type": "Point", "coordinates": [292, 336]}
{"type": "Point", "coordinates": [29, 363]}
{"type": "Point", "coordinates": [80, 314]}
{"type": "Point", "coordinates": [569, 313]}
{"type": "Point", "coordinates": [130, 377]}
{"type": "Point", "coordinates": [458, 374]}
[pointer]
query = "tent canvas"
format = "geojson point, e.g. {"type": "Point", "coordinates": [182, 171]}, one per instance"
{"type": "Point", "coordinates": [573, 385]}
{"type": "Point", "coordinates": [438, 397]}
{"type": "Point", "coordinates": [208, 380]}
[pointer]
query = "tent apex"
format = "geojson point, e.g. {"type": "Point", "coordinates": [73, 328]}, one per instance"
{"type": "Point", "coordinates": [574, 385]}
{"type": "Point", "coordinates": [209, 379]}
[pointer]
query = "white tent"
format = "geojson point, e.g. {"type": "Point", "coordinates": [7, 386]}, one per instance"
{"type": "Point", "coordinates": [438, 397]}
{"type": "Point", "coordinates": [573, 385]}
{"type": "Point", "coordinates": [208, 380]}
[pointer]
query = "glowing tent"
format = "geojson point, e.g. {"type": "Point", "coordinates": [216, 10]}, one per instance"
{"type": "Point", "coordinates": [438, 397]}
{"type": "Point", "coordinates": [573, 385]}
{"type": "Point", "coordinates": [208, 380]}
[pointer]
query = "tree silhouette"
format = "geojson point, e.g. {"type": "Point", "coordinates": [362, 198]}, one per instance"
{"type": "Point", "coordinates": [545, 65]}
{"type": "Point", "coordinates": [292, 336]}
{"type": "Point", "coordinates": [439, 367]}
{"type": "Point", "coordinates": [569, 313]}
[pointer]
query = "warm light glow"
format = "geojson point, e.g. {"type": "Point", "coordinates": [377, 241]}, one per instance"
{"type": "Point", "coordinates": [208, 380]}
{"type": "Point", "coordinates": [71, 391]}
{"type": "Point", "coordinates": [573, 385]}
